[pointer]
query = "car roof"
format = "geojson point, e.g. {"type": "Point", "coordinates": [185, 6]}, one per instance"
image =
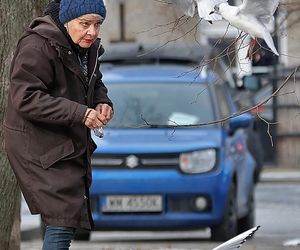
{"type": "Point", "coordinates": [136, 53]}
{"type": "Point", "coordinates": [155, 73]}
{"type": "Point", "coordinates": [151, 63]}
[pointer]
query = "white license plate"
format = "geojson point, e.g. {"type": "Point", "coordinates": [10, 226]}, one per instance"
{"type": "Point", "coordinates": [132, 203]}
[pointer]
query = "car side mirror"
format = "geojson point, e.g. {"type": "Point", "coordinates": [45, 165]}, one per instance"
{"type": "Point", "coordinates": [241, 121]}
{"type": "Point", "coordinates": [251, 82]}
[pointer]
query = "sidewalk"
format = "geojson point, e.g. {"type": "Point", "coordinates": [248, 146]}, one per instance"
{"type": "Point", "coordinates": [30, 224]}
{"type": "Point", "coordinates": [271, 174]}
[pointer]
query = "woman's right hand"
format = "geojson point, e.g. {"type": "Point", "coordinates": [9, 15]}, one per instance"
{"type": "Point", "coordinates": [93, 119]}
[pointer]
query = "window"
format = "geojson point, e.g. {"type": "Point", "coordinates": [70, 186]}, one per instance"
{"type": "Point", "coordinates": [160, 104]}
{"type": "Point", "coordinates": [224, 107]}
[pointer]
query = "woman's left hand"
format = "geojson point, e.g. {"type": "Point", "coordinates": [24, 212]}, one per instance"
{"type": "Point", "coordinates": [105, 110]}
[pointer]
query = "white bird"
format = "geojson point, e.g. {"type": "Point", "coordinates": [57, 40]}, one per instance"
{"type": "Point", "coordinates": [205, 7]}
{"type": "Point", "coordinates": [238, 241]}
{"type": "Point", "coordinates": [251, 16]}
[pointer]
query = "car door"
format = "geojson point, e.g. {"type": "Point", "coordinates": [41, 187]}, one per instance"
{"type": "Point", "coordinates": [235, 145]}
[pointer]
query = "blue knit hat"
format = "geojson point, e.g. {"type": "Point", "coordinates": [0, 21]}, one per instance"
{"type": "Point", "coordinates": [71, 9]}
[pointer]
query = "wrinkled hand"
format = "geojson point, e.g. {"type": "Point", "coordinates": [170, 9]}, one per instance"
{"type": "Point", "coordinates": [105, 110]}
{"type": "Point", "coordinates": [93, 119]}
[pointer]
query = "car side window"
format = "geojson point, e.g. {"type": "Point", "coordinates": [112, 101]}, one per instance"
{"type": "Point", "coordinates": [224, 106]}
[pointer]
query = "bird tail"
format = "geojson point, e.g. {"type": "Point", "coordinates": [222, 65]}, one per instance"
{"type": "Point", "coordinates": [269, 40]}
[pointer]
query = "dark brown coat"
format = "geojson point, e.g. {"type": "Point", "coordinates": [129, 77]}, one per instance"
{"type": "Point", "coordinates": [48, 146]}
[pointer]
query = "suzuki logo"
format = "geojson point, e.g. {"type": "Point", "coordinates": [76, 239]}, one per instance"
{"type": "Point", "coordinates": [132, 161]}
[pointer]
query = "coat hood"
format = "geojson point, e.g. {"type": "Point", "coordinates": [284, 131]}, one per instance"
{"type": "Point", "coordinates": [47, 28]}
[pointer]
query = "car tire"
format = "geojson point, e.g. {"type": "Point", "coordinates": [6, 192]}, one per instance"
{"type": "Point", "coordinates": [82, 235]}
{"type": "Point", "coordinates": [229, 226]}
{"type": "Point", "coordinates": [248, 221]}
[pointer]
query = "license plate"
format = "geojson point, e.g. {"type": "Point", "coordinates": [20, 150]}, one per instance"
{"type": "Point", "coordinates": [132, 203]}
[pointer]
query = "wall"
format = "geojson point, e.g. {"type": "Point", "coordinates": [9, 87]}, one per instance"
{"type": "Point", "coordinates": [147, 21]}
{"type": "Point", "coordinates": [293, 31]}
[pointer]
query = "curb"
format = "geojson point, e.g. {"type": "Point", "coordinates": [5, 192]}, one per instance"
{"type": "Point", "coordinates": [280, 176]}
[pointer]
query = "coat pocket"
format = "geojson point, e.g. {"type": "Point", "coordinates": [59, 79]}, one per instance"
{"type": "Point", "coordinates": [58, 153]}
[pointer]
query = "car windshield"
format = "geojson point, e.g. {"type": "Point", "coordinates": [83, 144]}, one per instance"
{"type": "Point", "coordinates": [137, 104]}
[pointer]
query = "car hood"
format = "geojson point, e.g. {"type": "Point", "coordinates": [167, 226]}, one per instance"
{"type": "Point", "coordinates": [133, 141]}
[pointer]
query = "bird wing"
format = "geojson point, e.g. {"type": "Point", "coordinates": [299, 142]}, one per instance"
{"type": "Point", "coordinates": [261, 9]}
{"type": "Point", "coordinates": [186, 6]}
{"type": "Point", "coordinates": [238, 241]}
{"type": "Point", "coordinates": [205, 7]}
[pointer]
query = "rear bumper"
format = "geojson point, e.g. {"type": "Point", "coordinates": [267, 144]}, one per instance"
{"type": "Point", "coordinates": [178, 195]}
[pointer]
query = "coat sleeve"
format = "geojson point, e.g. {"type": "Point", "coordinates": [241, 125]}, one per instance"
{"type": "Point", "coordinates": [100, 93]}
{"type": "Point", "coordinates": [31, 78]}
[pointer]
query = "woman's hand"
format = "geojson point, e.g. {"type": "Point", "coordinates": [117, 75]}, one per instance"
{"type": "Point", "coordinates": [105, 110]}
{"type": "Point", "coordinates": [94, 119]}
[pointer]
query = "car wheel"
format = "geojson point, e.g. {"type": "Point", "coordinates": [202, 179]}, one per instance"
{"type": "Point", "coordinates": [228, 227]}
{"type": "Point", "coordinates": [248, 221]}
{"type": "Point", "coordinates": [82, 235]}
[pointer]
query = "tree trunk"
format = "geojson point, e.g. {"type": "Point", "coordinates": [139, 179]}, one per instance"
{"type": "Point", "coordinates": [14, 17]}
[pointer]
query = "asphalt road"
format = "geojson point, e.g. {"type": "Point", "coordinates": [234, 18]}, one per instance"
{"type": "Point", "coordinates": [277, 212]}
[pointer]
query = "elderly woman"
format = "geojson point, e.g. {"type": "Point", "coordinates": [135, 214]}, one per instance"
{"type": "Point", "coordinates": [56, 96]}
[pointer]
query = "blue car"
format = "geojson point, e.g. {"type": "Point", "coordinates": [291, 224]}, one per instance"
{"type": "Point", "coordinates": [157, 169]}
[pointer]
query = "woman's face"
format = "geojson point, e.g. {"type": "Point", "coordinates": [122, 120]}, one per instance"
{"type": "Point", "coordinates": [84, 30]}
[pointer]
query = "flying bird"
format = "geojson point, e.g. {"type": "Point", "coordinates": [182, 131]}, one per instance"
{"type": "Point", "coordinates": [252, 17]}
{"type": "Point", "coordinates": [238, 241]}
{"type": "Point", "coordinates": [204, 7]}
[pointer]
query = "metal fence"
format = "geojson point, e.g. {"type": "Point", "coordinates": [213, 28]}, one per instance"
{"type": "Point", "coordinates": [283, 129]}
